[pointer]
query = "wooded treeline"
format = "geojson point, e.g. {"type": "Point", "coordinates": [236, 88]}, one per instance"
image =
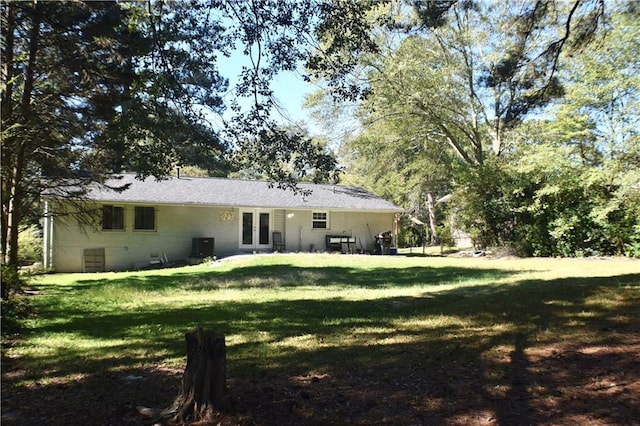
{"type": "Point", "coordinates": [523, 116]}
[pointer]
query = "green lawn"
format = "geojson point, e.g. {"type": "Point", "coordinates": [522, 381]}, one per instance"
{"type": "Point", "coordinates": [322, 314]}
{"type": "Point", "coordinates": [275, 310]}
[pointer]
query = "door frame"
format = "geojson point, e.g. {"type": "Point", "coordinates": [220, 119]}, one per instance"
{"type": "Point", "coordinates": [255, 245]}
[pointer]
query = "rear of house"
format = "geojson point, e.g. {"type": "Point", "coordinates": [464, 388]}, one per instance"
{"type": "Point", "coordinates": [181, 218]}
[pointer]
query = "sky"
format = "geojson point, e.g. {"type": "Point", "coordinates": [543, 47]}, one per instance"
{"type": "Point", "coordinates": [289, 89]}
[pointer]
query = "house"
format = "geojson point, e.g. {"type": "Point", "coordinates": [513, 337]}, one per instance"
{"type": "Point", "coordinates": [184, 217]}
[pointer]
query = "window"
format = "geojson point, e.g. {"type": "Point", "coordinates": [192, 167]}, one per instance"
{"type": "Point", "coordinates": [145, 218]}
{"type": "Point", "coordinates": [112, 217]}
{"type": "Point", "coordinates": [320, 220]}
{"type": "Point", "coordinates": [263, 234]}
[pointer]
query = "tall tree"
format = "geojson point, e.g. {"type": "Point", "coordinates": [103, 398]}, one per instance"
{"type": "Point", "coordinates": [92, 88]}
{"type": "Point", "coordinates": [583, 163]}
{"type": "Point", "coordinates": [63, 72]}
{"type": "Point", "coordinates": [472, 71]}
{"type": "Point", "coordinates": [402, 166]}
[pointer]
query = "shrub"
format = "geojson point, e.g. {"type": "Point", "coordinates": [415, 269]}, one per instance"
{"type": "Point", "coordinates": [29, 245]}
{"type": "Point", "coordinates": [632, 249]}
{"type": "Point", "coordinates": [10, 280]}
{"type": "Point", "coordinates": [14, 307]}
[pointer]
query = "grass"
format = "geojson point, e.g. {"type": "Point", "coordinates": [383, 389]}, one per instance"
{"type": "Point", "coordinates": [305, 314]}
{"type": "Point", "coordinates": [278, 311]}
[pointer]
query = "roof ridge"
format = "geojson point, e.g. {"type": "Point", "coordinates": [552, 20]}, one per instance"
{"type": "Point", "coordinates": [114, 176]}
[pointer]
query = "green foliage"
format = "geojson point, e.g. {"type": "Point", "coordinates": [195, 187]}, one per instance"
{"type": "Point", "coordinates": [484, 207]}
{"type": "Point", "coordinates": [451, 110]}
{"type": "Point", "coordinates": [94, 88]}
{"type": "Point", "coordinates": [10, 280]}
{"type": "Point", "coordinates": [15, 311]}
{"type": "Point", "coordinates": [448, 84]}
{"type": "Point", "coordinates": [411, 234]}
{"type": "Point", "coordinates": [580, 168]}
{"type": "Point", "coordinates": [445, 234]}
{"type": "Point", "coordinates": [267, 157]}
{"type": "Point", "coordinates": [632, 248]}
{"type": "Point", "coordinates": [64, 78]}
{"type": "Point", "coordinates": [15, 307]}
{"type": "Point", "coordinates": [572, 208]}
{"type": "Point", "coordinates": [30, 245]}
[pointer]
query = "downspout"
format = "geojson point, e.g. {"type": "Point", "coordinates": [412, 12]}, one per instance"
{"type": "Point", "coordinates": [51, 241]}
{"type": "Point", "coordinates": [48, 237]}
{"type": "Point", "coordinates": [45, 236]}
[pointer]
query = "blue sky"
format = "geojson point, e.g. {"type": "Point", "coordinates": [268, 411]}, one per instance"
{"type": "Point", "coordinates": [289, 89]}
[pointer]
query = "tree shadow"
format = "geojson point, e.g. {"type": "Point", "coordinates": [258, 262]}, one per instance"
{"type": "Point", "coordinates": [371, 363]}
{"type": "Point", "coordinates": [286, 275]}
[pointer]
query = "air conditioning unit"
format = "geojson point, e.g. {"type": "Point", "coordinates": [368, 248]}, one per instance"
{"type": "Point", "coordinates": [202, 247]}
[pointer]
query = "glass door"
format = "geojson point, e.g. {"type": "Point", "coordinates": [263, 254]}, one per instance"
{"type": "Point", "coordinates": [255, 229]}
{"type": "Point", "coordinates": [246, 238]}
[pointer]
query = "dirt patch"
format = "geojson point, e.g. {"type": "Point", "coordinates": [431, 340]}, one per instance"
{"type": "Point", "coordinates": [568, 384]}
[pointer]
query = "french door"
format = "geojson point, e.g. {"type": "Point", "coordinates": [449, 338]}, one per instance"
{"type": "Point", "coordinates": [255, 229]}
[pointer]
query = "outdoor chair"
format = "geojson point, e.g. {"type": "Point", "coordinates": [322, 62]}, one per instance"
{"type": "Point", "coordinates": [278, 244]}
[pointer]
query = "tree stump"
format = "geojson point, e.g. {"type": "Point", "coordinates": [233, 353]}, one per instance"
{"type": "Point", "coordinates": [204, 380]}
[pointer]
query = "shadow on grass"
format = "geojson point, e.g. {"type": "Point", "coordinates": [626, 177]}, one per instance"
{"type": "Point", "coordinates": [388, 358]}
{"type": "Point", "coordinates": [287, 276]}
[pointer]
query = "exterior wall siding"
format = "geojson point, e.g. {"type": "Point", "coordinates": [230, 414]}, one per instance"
{"type": "Point", "coordinates": [176, 226]}
{"type": "Point", "coordinates": [301, 236]}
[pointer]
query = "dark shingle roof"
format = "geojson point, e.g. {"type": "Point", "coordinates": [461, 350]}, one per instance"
{"type": "Point", "coordinates": [238, 193]}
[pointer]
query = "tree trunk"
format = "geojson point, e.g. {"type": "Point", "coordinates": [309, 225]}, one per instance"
{"type": "Point", "coordinates": [14, 218]}
{"type": "Point", "coordinates": [16, 145]}
{"type": "Point", "coordinates": [204, 379]}
{"type": "Point", "coordinates": [433, 225]}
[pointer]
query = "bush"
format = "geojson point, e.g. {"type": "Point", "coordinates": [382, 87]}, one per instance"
{"type": "Point", "coordinates": [14, 307]}
{"type": "Point", "coordinates": [29, 245]}
{"type": "Point", "coordinates": [632, 249]}
{"type": "Point", "coordinates": [14, 311]}
{"type": "Point", "coordinates": [445, 235]}
{"type": "Point", "coordinates": [10, 280]}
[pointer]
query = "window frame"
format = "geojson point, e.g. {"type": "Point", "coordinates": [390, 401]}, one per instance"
{"type": "Point", "coordinates": [315, 220]}
{"type": "Point", "coordinates": [113, 222]}
{"type": "Point", "coordinates": [145, 227]}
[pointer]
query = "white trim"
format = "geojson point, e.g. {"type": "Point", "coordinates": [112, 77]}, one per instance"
{"type": "Point", "coordinates": [255, 243]}
{"type": "Point", "coordinates": [327, 220]}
